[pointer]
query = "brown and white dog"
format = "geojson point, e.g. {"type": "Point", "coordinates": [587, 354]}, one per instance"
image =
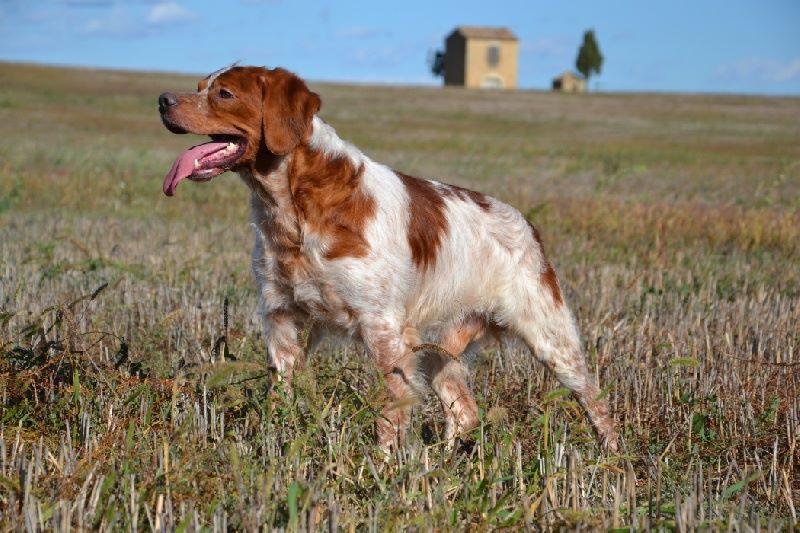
{"type": "Point", "coordinates": [388, 258]}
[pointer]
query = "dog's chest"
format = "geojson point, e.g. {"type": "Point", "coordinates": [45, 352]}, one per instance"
{"type": "Point", "coordinates": [295, 272]}
{"type": "Point", "coordinates": [304, 278]}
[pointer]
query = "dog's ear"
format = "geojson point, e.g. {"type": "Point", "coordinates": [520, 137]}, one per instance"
{"type": "Point", "coordinates": [288, 108]}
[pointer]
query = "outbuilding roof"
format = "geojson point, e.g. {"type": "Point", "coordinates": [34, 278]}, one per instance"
{"type": "Point", "coordinates": [569, 74]}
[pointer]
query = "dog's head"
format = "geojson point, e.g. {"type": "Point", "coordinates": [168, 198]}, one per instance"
{"type": "Point", "coordinates": [247, 112]}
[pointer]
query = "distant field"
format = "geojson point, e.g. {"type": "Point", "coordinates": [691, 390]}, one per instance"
{"type": "Point", "coordinates": [674, 224]}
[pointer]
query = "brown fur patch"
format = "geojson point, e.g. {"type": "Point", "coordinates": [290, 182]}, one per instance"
{"type": "Point", "coordinates": [478, 198]}
{"type": "Point", "coordinates": [548, 276]}
{"type": "Point", "coordinates": [455, 340]}
{"type": "Point", "coordinates": [289, 108]}
{"type": "Point", "coordinates": [328, 196]}
{"type": "Point", "coordinates": [550, 279]}
{"type": "Point", "coordinates": [427, 223]}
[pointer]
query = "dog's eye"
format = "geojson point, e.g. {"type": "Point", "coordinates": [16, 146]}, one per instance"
{"type": "Point", "coordinates": [226, 94]}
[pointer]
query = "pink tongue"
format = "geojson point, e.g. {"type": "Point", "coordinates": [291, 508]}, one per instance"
{"type": "Point", "coordinates": [183, 167]}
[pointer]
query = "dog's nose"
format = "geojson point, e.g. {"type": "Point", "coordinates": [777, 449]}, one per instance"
{"type": "Point", "coordinates": [166, 100]}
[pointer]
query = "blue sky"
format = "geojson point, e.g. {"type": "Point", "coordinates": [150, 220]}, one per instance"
{"type": "Point", "coordinates": [679, 45]}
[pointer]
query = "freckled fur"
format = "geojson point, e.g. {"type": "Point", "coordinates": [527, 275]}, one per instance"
{"type": "Point", "coordinates": [388, 258]}
{"type": "Point", "coordinates": [453, 191]}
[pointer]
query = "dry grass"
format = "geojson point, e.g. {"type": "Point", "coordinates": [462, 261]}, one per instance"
{"type": "Point", "coordinates": [673, 221]}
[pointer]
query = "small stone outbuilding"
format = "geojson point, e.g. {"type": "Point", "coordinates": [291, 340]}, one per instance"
{"type": "Point", "coordinates": [569, 82]}
{"type": "Point", "coordinates": [481, 57]}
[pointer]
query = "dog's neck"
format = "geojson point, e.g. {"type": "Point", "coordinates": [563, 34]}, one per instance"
{"type": "Point", "coordinates": [305, 184]}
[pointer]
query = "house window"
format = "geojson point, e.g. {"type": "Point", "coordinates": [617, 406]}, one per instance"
{"type": "Point", "coordinates": [493, 55]}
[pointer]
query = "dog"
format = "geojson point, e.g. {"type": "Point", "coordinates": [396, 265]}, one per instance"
{"type": "Point", "coordinates": [389, 259]}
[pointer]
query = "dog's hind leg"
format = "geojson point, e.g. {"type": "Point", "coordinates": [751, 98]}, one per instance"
{"type": "Point", "coordinates": [448, 377]}
{"type": "Point", "coordinates": [549, 330]}
{"type": "Point", "coordinates": [391, 349]}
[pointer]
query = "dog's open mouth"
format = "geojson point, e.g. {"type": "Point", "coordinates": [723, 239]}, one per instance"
{"type": "Point", "coordinates": [204, 161]}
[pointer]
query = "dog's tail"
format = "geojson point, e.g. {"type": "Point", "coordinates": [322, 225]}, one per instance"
{"type": "Point", "coordinates": [545, 323]}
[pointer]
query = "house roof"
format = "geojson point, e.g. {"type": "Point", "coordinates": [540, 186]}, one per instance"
{"type": "Point", "coordinates": [485, 32]}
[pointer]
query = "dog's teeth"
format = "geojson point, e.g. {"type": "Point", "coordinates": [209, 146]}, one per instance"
{"type": "Point", "coordinates": [231, 146]}
{"type": "Point", "coordinates": [196, 163]}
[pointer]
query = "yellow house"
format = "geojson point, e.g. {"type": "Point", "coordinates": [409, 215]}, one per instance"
{"type": "Point", "coordinates": [477, 56]}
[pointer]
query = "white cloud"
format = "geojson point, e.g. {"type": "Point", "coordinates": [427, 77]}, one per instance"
{"type": "Point", "coordinates": [759, 69]}
{"type": "Point", "coordinates": [128, 22]}
{"type": "Point", "coordinates": [119, 21]}
{"type": "Point", "coordinates": [168, 12]}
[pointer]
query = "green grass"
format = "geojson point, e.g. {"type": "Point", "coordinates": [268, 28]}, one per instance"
{"type": "Point", "coordinates": [130, 402]}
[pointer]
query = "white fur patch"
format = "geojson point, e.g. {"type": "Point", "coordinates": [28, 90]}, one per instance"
{"type": "Point", "coordinates": [214, 75]}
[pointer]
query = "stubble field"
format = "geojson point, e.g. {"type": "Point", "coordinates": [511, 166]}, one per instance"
{"type": "Point", "coordinates": [135, 391]}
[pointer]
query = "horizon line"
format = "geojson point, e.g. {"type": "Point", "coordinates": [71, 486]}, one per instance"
{"type": "Point", "coordinates": [396, 83]}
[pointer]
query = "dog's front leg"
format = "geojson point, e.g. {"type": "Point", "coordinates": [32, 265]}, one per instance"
{"type": "Point", "coordinates": [279, 316]}
{"type": "Point", "coordinates": [281, 333]}
{"type": "Point", "coordinates": [397, 364]}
